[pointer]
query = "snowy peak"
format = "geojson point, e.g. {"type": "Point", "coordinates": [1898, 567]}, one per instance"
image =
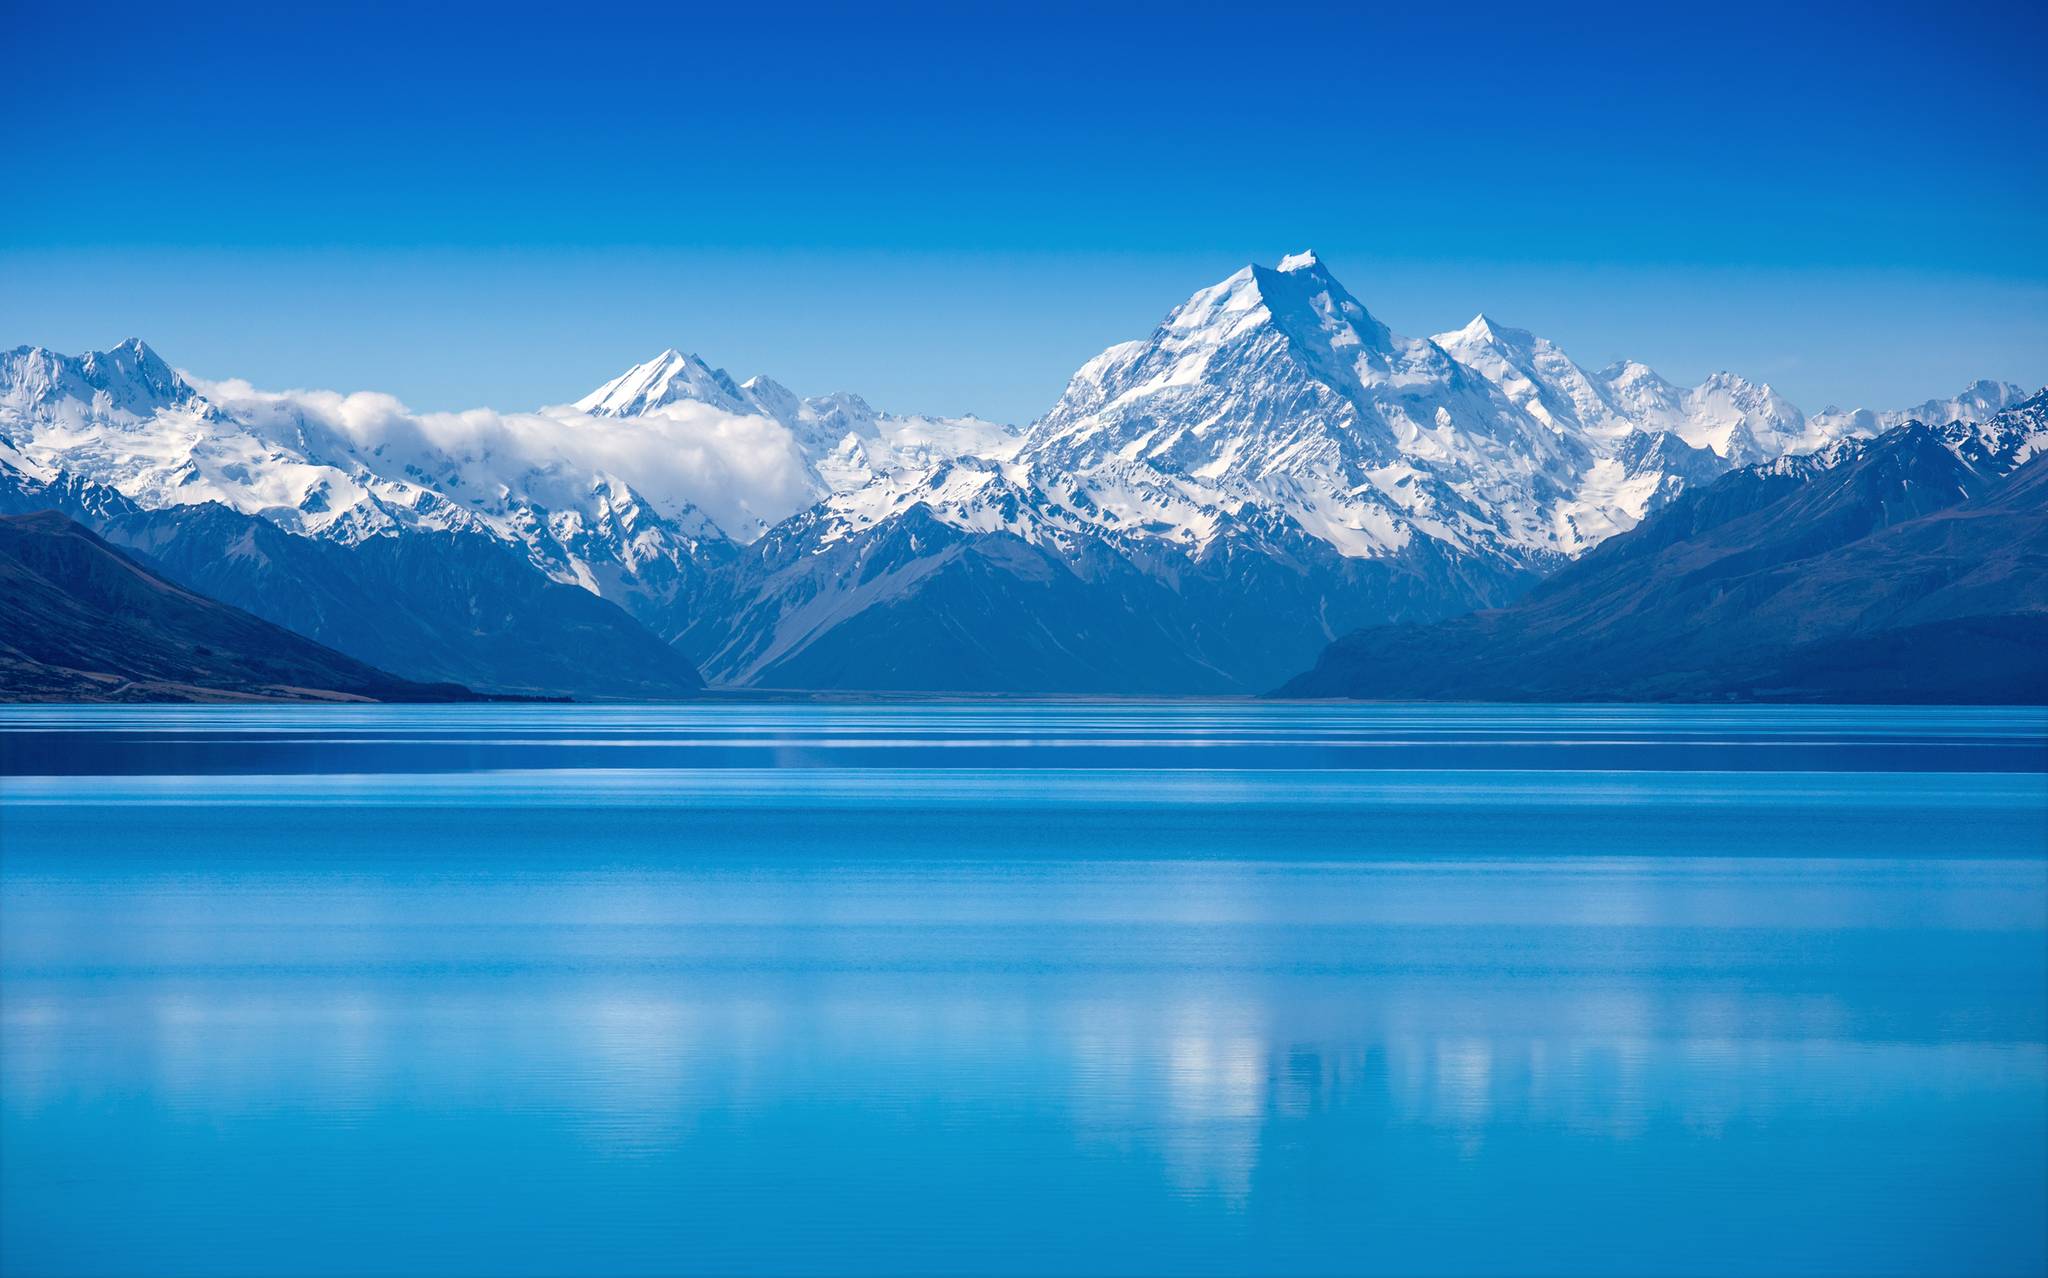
{"type": "Point", "coordinates": [1303, 302]}
{"type": "Point", "coordinates": [134, 376]}
{"type": "Point", "coordinates": [611, 511]}
{"type": "Point", "coordinates": [127, 383]}
{"type": "Point", "coordinates": [845, 442]}
{"type": "Point", "coordinates": [1988, 397]}
{"type": "Point", "coordinates": [1743, 421]}
{"type": "Point", "coordinates": [1740, 421]}
{"type": "Point", "coordinates": [1484, 330]}
{"type": "Point", "coordinates": [775, 399]}
{"type": "Point", "coordinates": [1999, 441]}
{"type": "Point", "coordinates": [1277, 392]}
{"type": "Point", "coordinates": [671, 377]}
{"type": "Point", "coordinates": [1485, 336]}
{"type": "Point", "coordinates": [1537, 377]}
{"type": "Point", "coordinates": [1308, 303]}
{"type": "Point", "coordinates": [1636, 383]}
{"type": "Point", "coordinates": [1979, 401]}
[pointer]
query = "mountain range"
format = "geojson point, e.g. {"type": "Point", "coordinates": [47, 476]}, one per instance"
{"type": "Point", "coordinates": [1203, 510]}
{"type": "Point", "coordinates": [1908, 567]}
{"type": "Point", "coordinates": [80, 621]}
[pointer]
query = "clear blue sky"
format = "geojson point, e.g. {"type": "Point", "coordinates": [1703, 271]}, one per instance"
{"type": "Point", "coordinates": [949, 208]}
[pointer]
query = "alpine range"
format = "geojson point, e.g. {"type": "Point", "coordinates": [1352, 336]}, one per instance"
{"type": "Point", "coordinates": [811, 641]}
{"type": "Point", "coordinates": [1203, 510]}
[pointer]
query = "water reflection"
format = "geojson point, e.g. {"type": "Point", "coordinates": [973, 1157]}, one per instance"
{"type": "Point", "coordinates": [1360, 1018]}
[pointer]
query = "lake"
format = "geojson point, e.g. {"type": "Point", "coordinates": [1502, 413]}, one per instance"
{"type": "Point", "coordinates": [1019, 988]}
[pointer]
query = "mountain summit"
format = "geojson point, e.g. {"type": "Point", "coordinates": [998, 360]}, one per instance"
{"type": "Point", "coordinates": [671, 377]}
{"type": "Point", "coordinates": [128, 383]}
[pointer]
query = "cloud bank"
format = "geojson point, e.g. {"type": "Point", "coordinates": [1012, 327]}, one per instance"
{"type": "Point", "coordinates": [743, 471]}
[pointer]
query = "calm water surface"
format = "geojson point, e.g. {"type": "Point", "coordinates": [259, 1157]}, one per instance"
{"type": "Point", "coordinates": [1023, 988]}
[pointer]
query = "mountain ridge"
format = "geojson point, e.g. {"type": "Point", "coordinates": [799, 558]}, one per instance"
{"type": "Point", "coordinates": [1271, 467]}
{"type": "Point", "coordinates": [79, 620]}
{"type": "Point", "coordinates": [431, 607]}
{"type": "Point", "coordinates": [1831, 576]}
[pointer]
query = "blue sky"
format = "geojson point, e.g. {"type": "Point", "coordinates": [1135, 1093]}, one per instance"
{"type": "Point", "coordinates": [948, 208]}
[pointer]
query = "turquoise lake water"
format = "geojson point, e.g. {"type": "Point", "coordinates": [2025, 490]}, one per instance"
{"type": "Point", "coordinates": [1022, 988]}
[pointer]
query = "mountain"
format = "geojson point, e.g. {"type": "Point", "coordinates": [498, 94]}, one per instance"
{"type": "Point", "coordinates": [669, 378]}
{"type": "Point", "coordinates": [1278, 389]}
{"type": "Point", "coordinates": [1198, 512]}
{"type": "Point", "coordinates": [844, 441]}
{"type": "Point", "coordinates": [1909, 567]}
{"type": "Point", "coordinates": [335, 520]}
{"type": "Point", "coordinates": [357, 467]}
{"type": "Point", "coordinates": [1735, 419]}
{"type": "Point", "coordinates": [456, 607]}
{"type": "Point", "coordinates": [1271, 467]}
{"type": "Point", "coordinates": [915, 603]}
{"type": "Point", "coordinates": [125, 385]}
{"type": "Point", "coordinates": [1979, 402]}
{"type": "Point", "coordinates": [1202, 510]}
{"type": "Point", "coordinates": [80, 621]}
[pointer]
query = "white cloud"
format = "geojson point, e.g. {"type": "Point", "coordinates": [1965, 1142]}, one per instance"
{"type": "Point", "coordinates": [743, 471]}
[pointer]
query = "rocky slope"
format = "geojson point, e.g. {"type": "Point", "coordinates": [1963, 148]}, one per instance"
{"type": "Point", "coordinates": [1909, 567]}
{"type": "Point", "coordinates": [432, 606]}
{"type": "Point", "coordinates": [80, 621]}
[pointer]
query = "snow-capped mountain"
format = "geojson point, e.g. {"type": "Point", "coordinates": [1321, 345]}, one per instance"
{"type": "Point", "coordinates": [845, 442]}
{"type": "Point", "coordinates": [456, 607]}
{"type": "Point", "coordinates": [597, 501]}
{"type": "Point", "coordinates": [1635, 461]}
{"type": "Point", "coordinates": [1538, 378]}
{"type": "Point", "coordinates": [1277, 390]}
{"type": "Point", "coordinates": [122, 386]}
{"type": "Point", "coordinates": [351, 467]}
{"type": "Point", "coordinates": [1275, 393]}
{"type": "Point", "coordinates": [668, 379]}
{"type": "Point", "coordinates": [2001, 442]}
{"type": "Point", "coordinates": [1980, 402]}
{"type": "Point", "coordinates": [1737, 420]}
{"type": "Point", "coordinates": [1201, 510]}
{"type": "Point", "coordinates": [1271, 464]}
{"type": "Point", "coordinates": [1905, 567]}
